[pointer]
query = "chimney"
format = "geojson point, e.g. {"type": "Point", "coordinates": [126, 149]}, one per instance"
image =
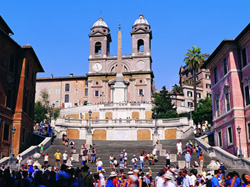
{"type": "Point", "coordinates": [71, 74]}
{"type": "Point", "coordinates": [51, 76]}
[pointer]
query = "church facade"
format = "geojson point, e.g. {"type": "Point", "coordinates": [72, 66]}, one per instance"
{"type": "Point", "coordinates": [136, 67]}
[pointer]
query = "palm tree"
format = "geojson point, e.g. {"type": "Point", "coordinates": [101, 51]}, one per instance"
{"type": "Point", "coordinates": [176, 89]}
{"type": "Point", "coordinates": [194, 59]}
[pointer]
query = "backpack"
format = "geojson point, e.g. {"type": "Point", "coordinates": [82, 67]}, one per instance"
{"type": "Point", "coordinates": [209, 183]}
{"type": "Point", "coordinates": [110, 183]}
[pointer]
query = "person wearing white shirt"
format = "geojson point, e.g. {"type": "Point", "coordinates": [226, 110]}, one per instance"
{"type": "Point", "coordinates": [168, 180]}
{"type": "Point", "coordinates": [168, 159]}
{"type": "Point", "coordinates": [193, 178]}
{"type": "Point", "coordinates": [160, 179]}
{"type": "Point", "coordinates": [179, 148]}
{"type": "Point", "coordinates": [99, 164]}
{"type": "Point", "coordinates": [65, 156]}
{"type": "Point", "coordinates": [102, 178]}
{"type": "Point", "coordinates": [187, 181]}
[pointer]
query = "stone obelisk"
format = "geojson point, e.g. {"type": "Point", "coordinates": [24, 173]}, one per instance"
{"type": "Point", "coordinates": [119, 89]}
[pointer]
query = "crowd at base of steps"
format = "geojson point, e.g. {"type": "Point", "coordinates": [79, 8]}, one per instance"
{"type": "Point", "coordinates": [82, 177]}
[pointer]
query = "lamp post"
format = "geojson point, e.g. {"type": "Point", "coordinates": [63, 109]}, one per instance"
{"type": "Point", "coordinates": [155, 132]}
{"type": "Point", "coordinates": [13, 132]}
{"type": "Point", "coordinates": [239, 130]}
{"type": "Point", "coordinates": [53, 111]}
{"type": "Point", "coordinates": [89, 130]}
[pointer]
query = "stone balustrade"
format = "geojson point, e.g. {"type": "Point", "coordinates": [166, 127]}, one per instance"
{"type": "Point", "coordinates": [223, 155]}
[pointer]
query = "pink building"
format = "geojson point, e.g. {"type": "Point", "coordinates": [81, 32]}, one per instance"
{"type": "Point", "coordinates": [229, 65]}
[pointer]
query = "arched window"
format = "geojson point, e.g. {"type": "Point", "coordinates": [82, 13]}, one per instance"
{"type": "Point", "coordinates": [66, 98]}
{"type": "Point", "coordinates": [98, 48]}
{"type": "Point", "coordinates": [140, 45]}
{"type": "Point", "coordinates": [66, 87]}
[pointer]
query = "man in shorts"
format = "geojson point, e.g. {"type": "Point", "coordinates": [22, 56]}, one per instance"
{"type": "Point", "coordinates": [58, 156]}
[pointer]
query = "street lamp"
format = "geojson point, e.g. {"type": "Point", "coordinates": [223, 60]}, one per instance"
{"type": "Point", "coordinates": [239, 130]}
{"type": "Point", "coordinates": [155, 113]}
{"type": "Point", "coordinates": [90, 112]}
{"type": "Point", "coordinates": [53, 112]}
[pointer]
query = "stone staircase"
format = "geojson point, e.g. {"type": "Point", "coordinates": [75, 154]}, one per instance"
{"type": "Point", "coordinates": [105, 148]}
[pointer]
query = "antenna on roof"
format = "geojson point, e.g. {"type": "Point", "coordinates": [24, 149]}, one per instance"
{"type": "Point", "coordinates": [100, 13]}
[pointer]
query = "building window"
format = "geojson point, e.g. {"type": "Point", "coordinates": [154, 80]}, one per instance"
{"type": "Point", "coordinates": [190, 104]}
{"type": "Point", "coordinates": [96, 93]}
{"type": "Point", "coordinates": [217, 105]}
{"type": "Point", "coordinates": [141, 92]}
{"type": "Point", "coordinates": [219, 139]}
{"type": "Point", "coordinates": [189, 94]}
{"type": "Point", "coordinates": [230, 136]}
{"type": "Point", "coordinates": [86, 83]}
{"type": "Point", "coordinates": [66, 100]}
{"type": "Point", "coordinates": [182, 103]}
{"type": "Point", "coordinates": [57, 91]}
{"type": "Point", "coordinates": [244, 57]}
{"type": "Point", "coordinates": [209, 95]}
{"type": "Point", "coordinates": [198, 95]}
{"type": "Point", "coordinates": [66, 87]}
{"type": "Point", "coordinates": [57, 104]}
{"type": "Point", "coordinates": [6, 132]}
{"type": "Point", "coordinates": [85, 102]}
{"type": "Point", "coordinates": [227, 98]}
{"type": "Point", "coordinates": [98, 48]}
{"type": "Point", "coordinates": [207, 76]}
{"type": "Point", "coordinates": [225, 66]}
{"type": "Point", "coordinates": [247, 95]}
{"type": "Point", "coordinates": [215, 75]}
{"type": "Point", "coordinates": [86, 92]}
{"type": "Point", "coordinates": [140, 45]}
{"type": "Point", "coordinates": [208, 85]}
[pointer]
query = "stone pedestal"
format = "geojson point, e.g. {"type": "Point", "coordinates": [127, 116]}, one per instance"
{"type": "Point", "coordinates": [181, 164]}
{"type": "Point", "coordinates": [155, 138]}
{"type": "Point", "coordinates": [89, 140]}
{"type": "Point", "coordinates": [212, 166]}
{"type": "Point", "coordinates": [36, 156]}
{"type": "Point", "coordinates": [119, 90]}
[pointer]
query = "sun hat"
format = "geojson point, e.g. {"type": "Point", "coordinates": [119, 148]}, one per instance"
{"type": "Point", "coordinates": [133, 178]}
{"type": "Point", "coordinates": [112, 174]}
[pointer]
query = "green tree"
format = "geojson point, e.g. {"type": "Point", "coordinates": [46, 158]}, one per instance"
{"type": "Point", "coordinates": [163, 104]}
{"type": "Point", "coordinates": [204, 111]}
{"type": "Point", "coordinates": [176, 89]}
{"type": "Point", "coordinates": [194, 59]}
{"type": "Point", "coordinates": [40, 112]}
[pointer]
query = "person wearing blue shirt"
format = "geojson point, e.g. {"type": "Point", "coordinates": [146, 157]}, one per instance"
{"type": "Point", "coordinates": [214, 180]}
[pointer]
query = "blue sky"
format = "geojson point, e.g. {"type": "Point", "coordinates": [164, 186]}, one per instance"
{"type": "Point", "coordinates": [58, 30]}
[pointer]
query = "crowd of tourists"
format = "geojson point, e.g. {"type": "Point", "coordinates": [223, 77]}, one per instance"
{"type": "Point", "coordinates": [139, 175]}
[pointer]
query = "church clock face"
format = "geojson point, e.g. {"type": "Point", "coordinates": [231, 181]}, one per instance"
{"type": "Point", "coordinates": [97, 67]}
{"type": "Point", "coordinates": [140, 65]}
